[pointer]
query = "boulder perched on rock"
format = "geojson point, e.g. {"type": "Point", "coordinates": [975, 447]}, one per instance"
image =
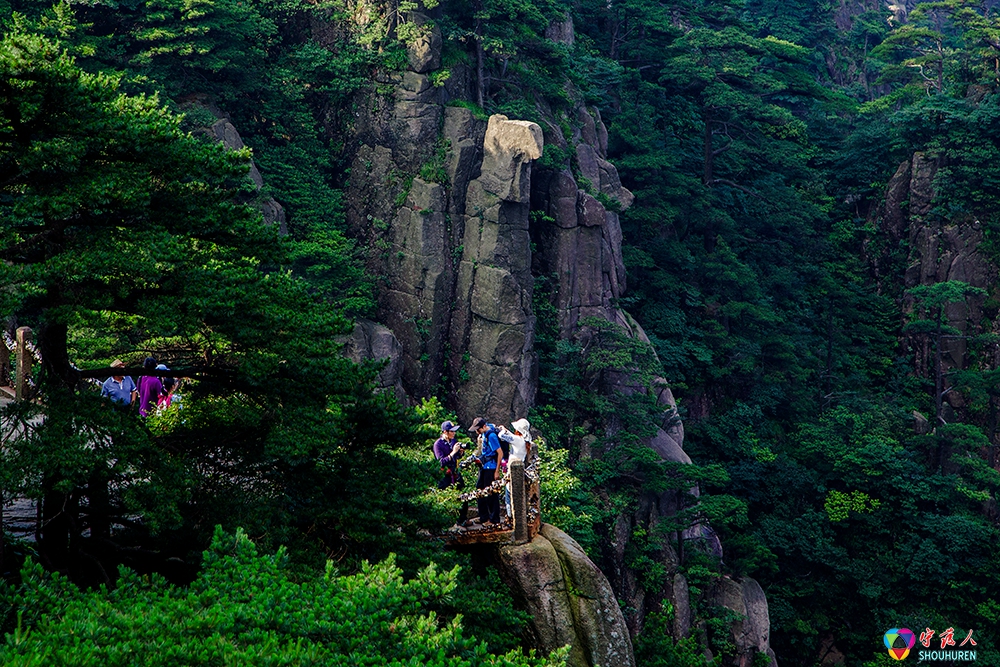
{"type": "Point", "coordinates": [569, 598]}
{"type": "Point", "coordinates": [493, 326]}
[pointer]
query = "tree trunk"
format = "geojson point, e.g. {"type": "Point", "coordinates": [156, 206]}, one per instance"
{"type": "Point", "coordinates": [938, 375]}
{"type": "Point", "coordinates": [99, 504]}
{"type": "Point", "coordinates": [58, 507]}
{"type": "Point", "coordinates": [54, 532]}
{"type": "Point", "coordinates": [477, 7]}
{"type": "Point", "coordinates": [708, 167]}
{"type": "Point", "coordinates": [56, 369]}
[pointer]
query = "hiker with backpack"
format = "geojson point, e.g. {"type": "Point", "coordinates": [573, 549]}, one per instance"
{"type": "Point", "coordinates": [447, 450]}
{"type": "Point", "coordinates": [491, 460]}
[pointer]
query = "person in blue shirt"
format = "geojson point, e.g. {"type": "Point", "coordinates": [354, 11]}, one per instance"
{"type": "Point", "coordinates": [119, 388]}
{"type": "Point", "coordinates": [490, 458]}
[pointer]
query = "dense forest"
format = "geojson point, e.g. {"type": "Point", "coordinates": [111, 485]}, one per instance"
{"type": "Point", "coordinates": [810, 255]}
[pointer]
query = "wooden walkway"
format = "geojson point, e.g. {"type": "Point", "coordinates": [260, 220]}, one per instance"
{"type": "Point", "coordinates": [20, 515]}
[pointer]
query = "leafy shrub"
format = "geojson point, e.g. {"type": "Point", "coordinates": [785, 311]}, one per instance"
{"type": "Point", "coordinates": [245, 609]}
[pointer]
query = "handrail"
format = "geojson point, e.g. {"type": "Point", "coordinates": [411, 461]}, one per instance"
{"type": "Point", "coordinates": [25, 351]}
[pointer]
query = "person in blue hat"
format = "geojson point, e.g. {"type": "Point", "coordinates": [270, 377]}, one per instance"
{"type": "Point", "coordinates": [447, 451]}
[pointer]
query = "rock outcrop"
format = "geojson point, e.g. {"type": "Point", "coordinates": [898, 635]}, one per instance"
{"type": "Point", "coordinates": [442, 200]}
{"type": "Point", "coordinates": [223, 131]}
{"type": "Point", "coordinates": [460, 221]}
{"type": "Point", "coordinates": [371, 341]}
{"type": "Point", "coordinates": [939, 250]}
{"type": "Point", "coordinates": [493, 322]}
{"type": "Point", "coordinates": [579, 238]}
{"type": "Point", "coordinates": [569, 599]}
{"type": "Point", "coordinates": [752, 632]}
{"type": "Point", "coordinates": [274, 213]}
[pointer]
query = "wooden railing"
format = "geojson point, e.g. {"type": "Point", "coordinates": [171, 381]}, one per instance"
{"type": "Point", "coordinates": [18, 358]}
{"type": "Point", "coordinates": [525, 519]}
{"type": "Point", "coordinates": [17, 374]}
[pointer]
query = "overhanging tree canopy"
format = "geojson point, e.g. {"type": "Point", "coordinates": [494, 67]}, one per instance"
{"type": "Point", "coordinates": [112, 219]}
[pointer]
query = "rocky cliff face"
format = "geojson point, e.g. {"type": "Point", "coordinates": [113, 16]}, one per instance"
{"type": "Point", "coordinates": [459, 220]}
{"type": "Point", "coordinates": [443, 199]}
{"type": "Point", "coordinates": [938, 250]}
{"type": "Point", "coordinates": [579, 238]}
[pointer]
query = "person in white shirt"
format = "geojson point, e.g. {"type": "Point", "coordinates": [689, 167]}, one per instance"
{"type": "Point", "coordinates": [520, 446]}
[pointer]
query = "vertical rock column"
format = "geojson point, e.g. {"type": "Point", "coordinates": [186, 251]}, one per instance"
{"type": "Point", "coordinates": [492, 333]}
{"type": "Point", "coordinates": [580, 240]}
{"type": "Point", "coordinates": [940, 250]}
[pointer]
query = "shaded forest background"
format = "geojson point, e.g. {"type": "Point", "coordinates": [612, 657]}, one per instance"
{"type": "Point", "coordinates": [847, 455]}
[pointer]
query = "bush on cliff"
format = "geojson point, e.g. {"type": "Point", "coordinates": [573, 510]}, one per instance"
{"type": "Point", "coordinates": [246, 609]}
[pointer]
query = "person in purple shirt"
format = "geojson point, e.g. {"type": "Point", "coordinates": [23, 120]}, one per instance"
{"type": "Point", "coordinates": [447, 451]}
{"type": "Point", "coordinates": [150, 388]}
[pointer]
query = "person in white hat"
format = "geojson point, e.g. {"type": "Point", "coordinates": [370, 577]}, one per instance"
{"type": "Point", "coordinates": [520, 445]}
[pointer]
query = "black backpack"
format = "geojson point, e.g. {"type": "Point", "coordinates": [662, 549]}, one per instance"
{"type": "Point", "coordinates": [504, 445]}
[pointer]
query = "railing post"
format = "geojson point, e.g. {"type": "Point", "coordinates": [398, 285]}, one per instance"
{"type": "Point", "coordinates": [23, 360]}
{"type": "Point", "coordinates": [518, 502]}
{"type": "Point", "coordinates": [5, 374]}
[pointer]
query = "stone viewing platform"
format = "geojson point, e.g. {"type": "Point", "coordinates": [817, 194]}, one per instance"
{"type": "Point", "coordinates": [520, 528]}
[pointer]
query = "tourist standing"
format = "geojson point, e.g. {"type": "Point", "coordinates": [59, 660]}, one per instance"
{"type": "Point", "coordinates": [119, 388]}
{"type": "Point", "coordinates": [447, 450]}
{"type": "Point", "coordinates": [520, 444]}
{"type": "Point", "coordinates": [150, 388]}
{"type": "Point", "coordinates": [490, 458]}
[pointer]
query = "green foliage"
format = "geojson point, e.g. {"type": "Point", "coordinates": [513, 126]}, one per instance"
{"type": "Point", "coordinates": [186, 44]}
{"type": "Point", "coordinates": [755, 190]}
{"type": "Point", "coordinates": [434, 171]}
{"type": "Point", "coordinates": [246, 609]}
{"type": "Point", "coordinates": [563, 497]}
{"type": "Point", "coordinates": [517, 58]}
{"type": "Point", "coordinates": [114, 220]}
{"type": "Point", "coordinates": [759, 138]}
{"type": "Point", "coordinates": [654, 647]}
{"type": "Point", "coordinates": [839, 505]}
{"type": "Point", "coordinates": [477, 111]}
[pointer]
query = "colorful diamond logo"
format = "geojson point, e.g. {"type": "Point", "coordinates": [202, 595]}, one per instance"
{"type": "Point", "coordinates": [899, 641]}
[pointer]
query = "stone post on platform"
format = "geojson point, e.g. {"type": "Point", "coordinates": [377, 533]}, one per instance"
{"type": "Point", "coordinates": [518, 502]}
